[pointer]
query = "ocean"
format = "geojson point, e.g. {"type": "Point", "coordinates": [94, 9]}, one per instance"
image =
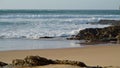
{"type": "Point", "coordinates": [23, 29]}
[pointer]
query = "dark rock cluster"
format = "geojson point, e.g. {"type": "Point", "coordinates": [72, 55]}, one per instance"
{"type": "Point", "coordinates": [106, 34]}
{"type": "Point", "coordinates": [32, 61]}
{"type": "Point", "coordinates": [109, 22]}
{"type": "Point", "coordinates": [39, 61]}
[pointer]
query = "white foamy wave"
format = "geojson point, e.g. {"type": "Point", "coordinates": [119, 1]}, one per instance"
{"type": "Point", "coordinates": [75, 32]}
{"type": "Point", "coordinates": [33, 26]}
{"type": "Point", "coordinates": [38, 31]}
{"type": "Point", "coordinates": [84, 26]}
{"type": "Point", "coordinates": [56, 16]}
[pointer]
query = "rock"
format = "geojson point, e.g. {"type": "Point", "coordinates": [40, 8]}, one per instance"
{"type": "Point", "coordinates": [3, 64]}
{"type": "Point", "coordinates": [94, 67]}
{"type": "Point", "coordinates": [73, 37]}
{"type": "Point", "coordinates": [37, 61]}
{"type": "Point", "coordinates": [89, 34]}
{"type": "Point", "coordinates": [118, 38]}
{"type": "Point", "coordinates": [46, 37]}
{"type": "Point", "coordinates": [111, 22]}
{"type": "Point", "coordinates": [107, 22]}
{"type": "Point", "coordinates": [76, 63]}
{"type": "Point", "coordinates": [32, 61]}
{"type": "Point", "coordinates": [40, 61]}
{"type": "Point", "coordinates": [18, 62]}
{"type": "Point", "coordinates": [99, 34]}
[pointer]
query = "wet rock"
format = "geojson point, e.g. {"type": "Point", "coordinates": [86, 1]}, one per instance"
{"type": "Point", "coordinates": [73, 37]}
{"type": "Point", "coordinates": [89, 34]}
{"type": "Point", "coordinates": [3, 64]}
{"type": "Point", "coordinates": [99, 34]}
{"type": "Point", "coordinates": [111, 22]}
{"type": "Point", "coordinates": [105, 22]}
{"type": "Point", "coordinates": [46, 37]}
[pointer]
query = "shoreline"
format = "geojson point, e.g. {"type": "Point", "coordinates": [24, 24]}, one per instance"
{"type": "Point", "coordinates": [19, 44]}
{"type": "Point", "coordinates": [90, 55]}
{"type": "Point", "coordinates": [82, 45]}
{"type": "Point", "coordinates": [23, 44]}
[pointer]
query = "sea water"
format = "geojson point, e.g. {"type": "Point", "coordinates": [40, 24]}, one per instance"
{"type": "Point", "coordinates": [23, 29]}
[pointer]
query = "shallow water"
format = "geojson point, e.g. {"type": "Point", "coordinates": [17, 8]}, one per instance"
{"type": "Point", "coordinates": [27, 44]}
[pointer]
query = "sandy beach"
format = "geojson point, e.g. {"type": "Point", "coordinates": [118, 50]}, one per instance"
{"type": "Point", "coordinates": [90, 55]}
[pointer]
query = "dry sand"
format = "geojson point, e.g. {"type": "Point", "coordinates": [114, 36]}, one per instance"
{"type": "Point", "coordinates": [90, 55]}
{"type": "Point", "coordinates": [55, 66]}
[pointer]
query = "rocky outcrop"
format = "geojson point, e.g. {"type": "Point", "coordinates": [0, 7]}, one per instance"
{"type": "Point", "coordinates": [105, 22]}
{"type": "Point", "coordinates": [111, 22]}
{"type": "Point", "coordinates": [32, 61]}
{"type": "Point", "coordinates": [39, 61]}
{"type": "Point", "coordinates": [18, 62]}
{"type": "Point", "coordinates": [76, 63]}
{"type": "Point", "coordinates": [99, 34]}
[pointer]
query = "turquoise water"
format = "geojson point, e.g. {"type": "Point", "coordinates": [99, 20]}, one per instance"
{"type": "Point", "coordinates": [86, 12]}
{"type": "Point", "coordinates": [22, 25]}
